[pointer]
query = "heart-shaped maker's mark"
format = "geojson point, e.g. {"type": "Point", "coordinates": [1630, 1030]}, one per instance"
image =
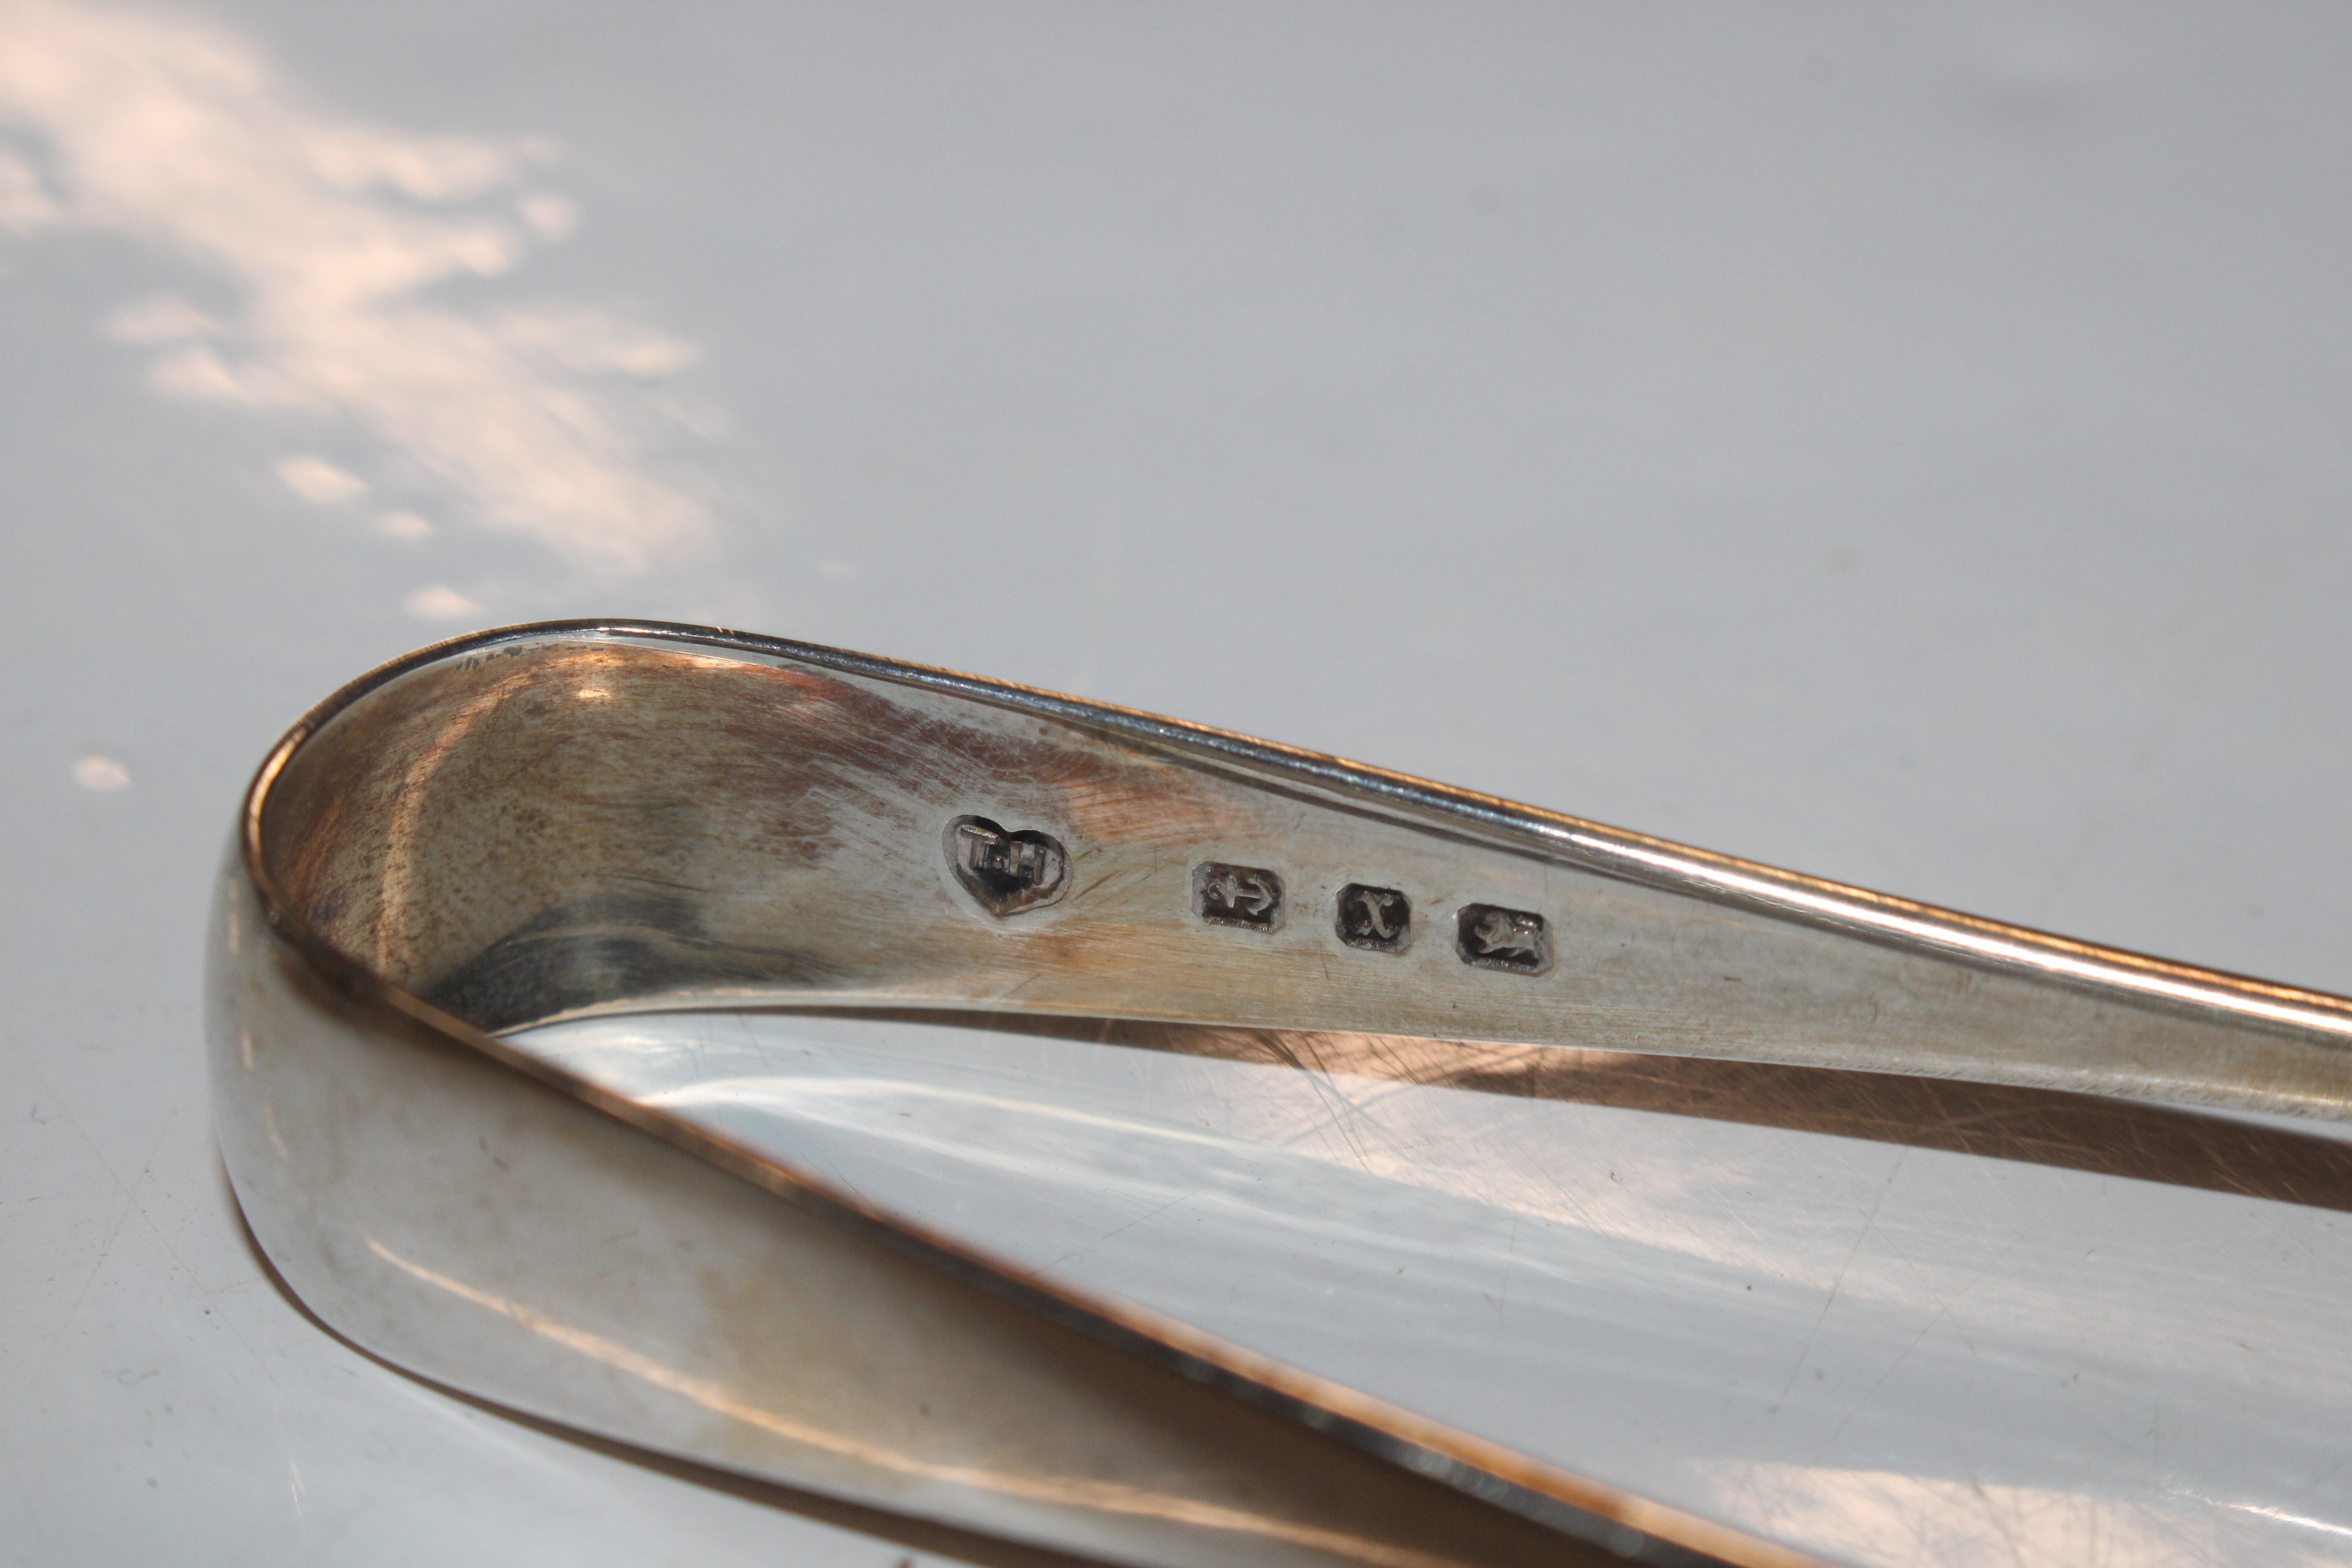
{"type": "Point", "coordinates": [1007, 872]}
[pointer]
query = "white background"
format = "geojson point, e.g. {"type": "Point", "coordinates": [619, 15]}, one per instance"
{"type": "Point", "coordinates": [1901, 445]}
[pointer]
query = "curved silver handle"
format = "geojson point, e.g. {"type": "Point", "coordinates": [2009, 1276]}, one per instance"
{"type": "Point", "coordinates": [553, 821]}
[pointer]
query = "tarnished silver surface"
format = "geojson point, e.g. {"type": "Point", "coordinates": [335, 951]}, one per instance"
{"type": "Point", "coordinates": [554, 821]}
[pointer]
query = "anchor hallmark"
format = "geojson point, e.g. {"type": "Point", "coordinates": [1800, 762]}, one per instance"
{"type": "Point", "coordinates": [1378, 919]}
{"type": "Point", "coordinates": [1007, 872]}
{"type": "Point", "coordinates": [1492, 937]}
{"type": "Point", "coordinates": [1245, 896]}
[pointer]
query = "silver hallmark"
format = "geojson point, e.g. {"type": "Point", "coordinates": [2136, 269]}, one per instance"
{"type": "Point", "coordinates": [1493, 937]}
{"type": "Point", "coordinates": [1245, 896]}
{"type": "Point", "coordinates": [1377, 919]}
{"type": "Point", "coordinates": [1008, 872]}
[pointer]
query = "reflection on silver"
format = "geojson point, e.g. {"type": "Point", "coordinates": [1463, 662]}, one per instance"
{"type": "Point", "coordinates": [560, 822]}
{"type": "Point", "coordinates": [1075, 1491]}
{"type": "Point", "coordinates": [1696, 1309]}
{"type": "Point", "coordinates": [335, 234]}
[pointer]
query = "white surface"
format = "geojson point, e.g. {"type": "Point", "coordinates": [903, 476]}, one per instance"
{"type": "Point", "coordinates": [1902, 446]}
